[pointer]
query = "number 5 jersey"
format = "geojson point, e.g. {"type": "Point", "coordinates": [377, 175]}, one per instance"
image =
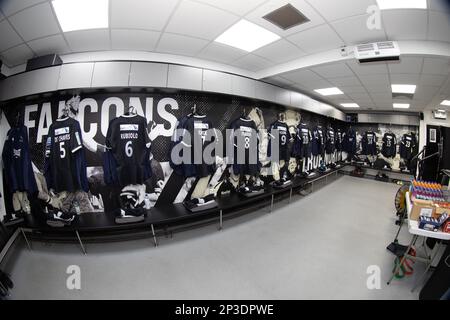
{"type": "Point", "coordinates": [65, 162]}
{"type": "Point", "coordinates": [127, 158]}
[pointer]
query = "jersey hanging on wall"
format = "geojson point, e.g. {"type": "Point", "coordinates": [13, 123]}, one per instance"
{"type": "Point", "coordinates": [407, 146]}
{"type": "Point", "coordinates": [330, 146]}
{"type": "Point", "coordinates": [245, 142]}
{"type": "Point", "coordinates": [17, 161]}
{"type": "Point", "coordinates": [389, 149]}
{"type": "Point", "coordinates": [302, 144]}
{"type": "Point", "coordinates": [127, 159]}
{"type": "Point", "coordinates": [282, 130]}
{"type": "Point", "coordinates": [318, 141]}
{"type": "Point", "coordinates": [369, 143]}
{"type": "Point", "coordinates": [349, 142]}
{"type": "Point", "coordinates": [195, 133]}
{"type": "Point", "coordinates": [339, 140]}
{"type": "Point", "coordinates": [65, 163]}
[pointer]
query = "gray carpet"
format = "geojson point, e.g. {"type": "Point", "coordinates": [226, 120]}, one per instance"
{"type": "Point", "coordinates": [317, 247]}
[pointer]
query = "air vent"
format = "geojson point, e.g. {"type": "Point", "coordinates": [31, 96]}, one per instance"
{"type": "Point", "coordinates": [286, 17]}
{"type": "Point", "coordinates": [402, 96]}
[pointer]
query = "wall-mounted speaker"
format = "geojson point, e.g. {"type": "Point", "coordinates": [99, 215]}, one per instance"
{"type": "Point", "coordinates": [46, 61]}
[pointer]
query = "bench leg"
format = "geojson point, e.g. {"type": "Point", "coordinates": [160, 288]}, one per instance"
{"type": "Point", "coordinates": [290, 196]}
{"type": "Point", "coordinates": [26, 239]}
{"type": "Point", "coordinates": [154, 236]}
{"type": "Point", "coordinates": [81, 243]}
{"type": "Point", "coordinates": [220, 220]}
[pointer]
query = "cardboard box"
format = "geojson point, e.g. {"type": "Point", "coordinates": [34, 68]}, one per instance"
{"type": "Point", "coordinates": [438, 211]}
{"type": "Point", "coordinates": [422, 208]}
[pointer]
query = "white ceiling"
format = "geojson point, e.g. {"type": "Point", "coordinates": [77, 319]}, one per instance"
{"type": "Point", "coordinates": [29, 28]}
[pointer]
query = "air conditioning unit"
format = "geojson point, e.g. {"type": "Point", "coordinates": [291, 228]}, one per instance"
{"type": "Point", "coordinates": [440, 114]}
{"type": "Point", "coordinates": [377, 51]}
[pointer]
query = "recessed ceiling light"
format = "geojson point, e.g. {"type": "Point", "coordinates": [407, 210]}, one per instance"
{"type": "Point", "coordinates": [401, 105]}
{"type": "Point", "coordinates": [350, 105]}
{"type": "Point", "coordinates": [247, 36]}
{"type": "Point", "coordinates": [329, 91]}
{"type": "Point", "coordinates": [81, 14]}
{"type": "Point", "coordinates": [404, 88]}
{"type": "Point", "coordinates": [445, 103]}
{"type": "Point", "coordinates": [402, 4]}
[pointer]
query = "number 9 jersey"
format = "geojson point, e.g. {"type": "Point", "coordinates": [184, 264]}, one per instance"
{"type": "Point", "coordinates": [128, 143]}
{"type": "Point", "coordinates": [65, 163]}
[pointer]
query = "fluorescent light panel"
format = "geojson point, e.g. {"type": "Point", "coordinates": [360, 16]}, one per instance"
{"type": "Point", "coordinates": [402, 4]}
{"type": "Point", "coordinates": [247, 36]}
{"type": "Point", "coordinates": [350, 105]}
{"type": "Point", "coordinates": [445, 103]}
{"type": "Point", "coordinates": [81, 14]}
{"type": "Point", "coordinates": [401, 105]}
{"type": "Point", "coordinates": [329, 91]}
{"type": "Point", "coordinates": [404, 88]}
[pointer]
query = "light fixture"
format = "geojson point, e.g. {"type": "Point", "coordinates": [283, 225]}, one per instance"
{"type": "Point", "coordinates": [402, 4]}
{"type": "Point", "coordinates": [329, 91]}
{"type": "Point", "coordinates": [247, 36]}
{"type": "Point", "coordinates": [404, 88]}
{"type": "Point", "coordinates": [401, 105]}
{"type": "Point", "coordinates": [81, 14]}
{"type": "Point", "coordinates": [350, 105]}
{"type": "Point", "coordinates": [445, 103]}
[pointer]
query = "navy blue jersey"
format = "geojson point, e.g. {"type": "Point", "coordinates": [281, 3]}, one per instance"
{"type": "Point", "coordinates": [407, 146]}
{"type": "Point", "coordinates": [282, 130]}
{"type": "Point", "coordinates": [177, 136]}
{"type": "Point", "coordinates": [17, 161]}
{"type": "Point", "coordinates": [128, 144]}
{"type": "Point", "coordinates": [339, 140]}
{"type": "Point", "coordinates": [369, 143]}
{"type": "Point", "coordinates": [302, 144]}
{"type": "Point", "coordinates": [330, 146]}
{"type": "Point", "coordinates": [65, 167]}
{"type": "Point", "coordinates": [350, 142]}
{"type": "Point", "coordinates": [318, 141]}
{"type": "Point", "coordinates": [245, 140]}
{"type": "Point", "coordinates": [389, 148]}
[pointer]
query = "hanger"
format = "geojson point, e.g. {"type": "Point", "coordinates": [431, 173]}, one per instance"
{"type": "Point", "coordinates": [65, 111]}
{"type": "Point", "coordinates": [244, 113]}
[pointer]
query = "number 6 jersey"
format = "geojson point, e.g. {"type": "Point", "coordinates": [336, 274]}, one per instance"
{"type": "Point", "coordinates": [65, 163]}
{"type": "Point", "coordinates": [128, 151]}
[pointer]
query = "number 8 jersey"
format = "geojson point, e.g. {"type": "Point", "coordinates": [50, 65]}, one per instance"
{"type": "Point", "coordinates": [128, 143]}
{"type": "Point", "coordinates": [65, 164]}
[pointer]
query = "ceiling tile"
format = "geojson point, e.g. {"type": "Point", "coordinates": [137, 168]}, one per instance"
{"type": "Point", "coordinates": [17, 55]}
{"type": "Point", "coordinates": [9, 37]}
{"type": "Point", "coordinates": [182, 45]}
{"type": "Point", "coordinates": [53, 44]}
{"type": "Point", "coordinates": [334, 70]}
{"type": "Point", "coordinates": [134, 39]}
{"type": "Point", "coordinates": [257, 15]}
{"type": "Point", "coordinates": [301, 76]}
{"type": "Point", "coordinates": [237, 7]}
{"type": "Point", "coordinates": [406, 65]}
{"type": "Point", "coordinates": [436, 66]}
{"type": "Point", "coordinates": [280, 81]}
{"type": "Point", "coordinates": [379, 88]}
{"type": "Point", "coordinates": [221, 53]}
{"type": "Point", "coordinates": [432, 80]}
{"type": "Point", "coordinates": [10, 7]}
{"type": "Point", "coordinates": [317, 39]}
{"type": "Point", "coordinates": [439, 26]}
{"type": "Point", "coordinates": [346, 8]}
{"type": "Point", "coordinates": [319, 84]}
{"type": "Point", "coordinates": [346, 81]}
{"type": "Point", "coordinates": [404, 78]}
{"type": "Point", "coordinates": [141, 14]}
{"type": "Point", "coordinates": [354, 30]}
{"type": "Point", "coordinates": [88, 40]}
{"type": "Point", "coordinates": [405, 24]}
{"type": "Point", "coordinates": [280, 51]}
{"type": "Point", "coordinates": [35, 22]}
{"type": "Point", "coordinates": [381, 96]}
{"type": "Point", "coordinates": [360, 96]}
{"type": "Point", "coordinates": [426, 92]}
{"type": "Point", "coordinates": [252, 63]}
{"type": "Point", "coordinates": [353, 89]}
{"type": "Point", "coordinates": [199, 20]}
{"type": "Point", "coordinates": [368, 68]}
{"type": "Point", "coordinates": [375, 79]}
